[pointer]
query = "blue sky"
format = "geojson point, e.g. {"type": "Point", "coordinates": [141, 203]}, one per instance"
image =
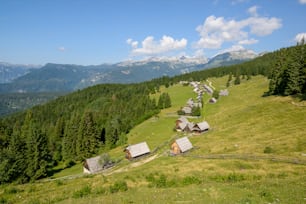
{"type": "Point", "coordinates": [108, 31]}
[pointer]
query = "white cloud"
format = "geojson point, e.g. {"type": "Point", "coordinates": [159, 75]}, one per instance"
{"type": "Point", "coordinates": [199, 53]}
{"type": "Point", "coordinates": [238, 1]}
{"type": "Point", "coordinates": [134, 44]}
{"type": "Point", "coordinates": [149, 46]}
{"type": "Point", "coordinates": [234, 48]}
{"type": "Point", "coordinates": [248, 42]}
{"type": "Point", "coordinates": [253, 11]}
{"type": "Point", "coordinates": [217, 30]}
{"type": "Point", "coordinates": [262, 26]}
{"type": "Point", "coordinates": [302, 1]}
{"type": "Point", "coordinates": [62, 49]}
{"type": "Point", "coordinates": [300, 36]}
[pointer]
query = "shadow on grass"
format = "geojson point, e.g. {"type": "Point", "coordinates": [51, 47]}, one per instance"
{"type": "Point", "coordinates": [58, 169]}
{"type": "Point", "coordinates": [300, 97]}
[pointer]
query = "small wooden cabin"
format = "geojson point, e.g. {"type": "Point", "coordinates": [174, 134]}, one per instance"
{"type": "Point", "coordinates": [92, 165]}
{"type": "Point", "coordinates": [136, 150]}
{"type": "Point", "coordinates": [181, 145]}
{"type": "Point", "coordinates": [200, 127]}
{"type": "Point", "coordinates": [181, 120]}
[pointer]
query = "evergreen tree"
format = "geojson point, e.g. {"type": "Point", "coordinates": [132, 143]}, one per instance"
{"type": "Point", "coordinates": [292, 78]}
{"type": "Point", "coordinates": [56, 139]}
{"type": "Point", "coordinates": [164, 101]}
{"type": "Point", "coordinates": [17, 152]}
{"type": "Point", "coordinates": [237, 80]}
{"type": "Point", "coordinates": [160, 103]}
{"type": "Point", "coordinates": [230, 77]}
{"type": "Point", "coordinates": [70, 139]}
{"type": "Point", "coordinates": [248, 76]}
{"type": "Point", "coordinates": [37, 154]}
{"type": "Point", "coordinates": [167, 101]}
{"type": "Point", "coordinates": [215, 94]}
{"type": "Point", "coordinates": [196, 111]}
{"type": "Point", "coordinates": [228, 83]}
{"type": "Point", "coordinates": [88, 140]}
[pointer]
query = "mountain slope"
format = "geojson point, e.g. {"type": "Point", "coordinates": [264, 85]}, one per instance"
{"type": "Point", "coordinates": [59, 77]}
{"type": "Point", "coordinates": [240, 127]}
{"type": "Point", "coordinates": [230, 58]}
{"type": "Point", "coordinates": [9, 72]}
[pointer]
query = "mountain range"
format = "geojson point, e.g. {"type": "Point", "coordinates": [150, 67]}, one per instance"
{"type": "Point", "coordinates": [68, 77]}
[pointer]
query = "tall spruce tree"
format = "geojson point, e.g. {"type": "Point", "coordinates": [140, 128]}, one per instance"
{"type": "Point", "coordinates": [88, 137]}
{"type": "Point", "coordinates": [37, 154]}
{"type": "Point", "coordinates": [17, 152]}
{"type": "Point", "coordinates": [70, 139]}
{"type": "Point", "coordinates": [56, 139]}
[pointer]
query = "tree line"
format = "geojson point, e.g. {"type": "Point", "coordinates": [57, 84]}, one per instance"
{"type": "Point", "coordinates": [288, 75]}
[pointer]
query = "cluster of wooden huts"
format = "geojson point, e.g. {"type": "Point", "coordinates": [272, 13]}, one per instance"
{"type": "Point", "coordinates": [187, 109]}
{"type": "Point", "coordinates": [200, 89]}
{"type": "Point", "coordinates": [178, 146]}
{"type": "Point", "coordinates": [93, 165]}
{"type": "Point", "coordinates": [183, 125]}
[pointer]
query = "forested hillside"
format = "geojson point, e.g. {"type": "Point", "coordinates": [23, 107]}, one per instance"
{"type": "Point", "coordinates": [71, 128]}
{"type": "Point", "coordinates": [15, 102]}
{"type": "Point", "coordinates": [81, 124]}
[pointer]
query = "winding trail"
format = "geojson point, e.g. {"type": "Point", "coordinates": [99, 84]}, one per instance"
{"type": "Point", "coordinates": [131, 165]}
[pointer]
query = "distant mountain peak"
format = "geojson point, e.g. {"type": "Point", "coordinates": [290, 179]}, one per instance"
{"type": "Point", "coordinates": [165, 59]}
{"type": "Point", "coordinates": [230, 57]}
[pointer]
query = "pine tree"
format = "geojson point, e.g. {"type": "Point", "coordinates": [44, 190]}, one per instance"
{"type": "Point", "coordinates": [88, 140]}
{"type": "Point", "coordinates": [70, 139]}
{"type": "Point", "coordinates": [16, 152]}
{"type": "Point", "coordinates": [167, 101]}
{"type": "Point", "coordinates": [56, 139]}
{"type": "Point", "coordinates": [160, 103]}
{"type": "Point", "coordinates": [37, 154]}
{"type": "Point", "coordinates": [164, 101]}
{"type": "Point", "coordinates": [237, 80]}
{"type": "Point", "coordinates": [292, 78]}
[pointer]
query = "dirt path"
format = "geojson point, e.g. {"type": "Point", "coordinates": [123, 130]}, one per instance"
{"type": "Point", "coordinates": [132, 165]}
{"type": "Point", "coordinates": [210, 84]}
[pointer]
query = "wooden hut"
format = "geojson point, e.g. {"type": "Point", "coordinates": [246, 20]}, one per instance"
{"type": "Point", "coordinates": [200, 127]}
{"type": "Point", "coordinates": [181, 123]}
{"type": "Point", "coordinates": [92, 165]}
{"type": "Point", "coordinates": [181, 145]}
{"type": "Point", "coordinates": [136, 150]}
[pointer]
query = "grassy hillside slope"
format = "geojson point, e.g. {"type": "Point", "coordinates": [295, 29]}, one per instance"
{"type": "Point", "coordinates": [254, 153]}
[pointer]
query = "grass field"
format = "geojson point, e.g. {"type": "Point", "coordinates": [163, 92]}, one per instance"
{"type": "Point", "coordinates": [254, 153]}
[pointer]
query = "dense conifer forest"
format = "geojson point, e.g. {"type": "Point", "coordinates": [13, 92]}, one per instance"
{"type": "Point", "coordinates": [86, 122]}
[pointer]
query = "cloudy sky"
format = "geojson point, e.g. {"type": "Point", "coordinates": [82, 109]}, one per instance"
{"type": "Point", "coordinates": [108, 31]}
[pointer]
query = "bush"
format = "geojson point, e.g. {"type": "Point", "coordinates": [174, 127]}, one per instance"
{"type": "Point", "coordinates": [180, 112]}
{"type": "Point", "coordinates": [268, 150]}
{"type": "Point", "coordinates": [191, 180]}
{"type": "Point", "coordinates": [118, 186]}
{"type": "Point", "coordinates": [101, 191]}
{"type": "Point", "coordinates": [12, 190]}
{"type": "Point", "coordinates": [232, 177]}
{"type": "Point", "coordinates": [85, 191]}
{"type": "Point", "coordinates": [3, 200]}
{"type": "Point", "coordinates": [215, 94]}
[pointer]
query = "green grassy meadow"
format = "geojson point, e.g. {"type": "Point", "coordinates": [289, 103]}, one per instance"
{"type": "Point", "coordinates": [254, 153]}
